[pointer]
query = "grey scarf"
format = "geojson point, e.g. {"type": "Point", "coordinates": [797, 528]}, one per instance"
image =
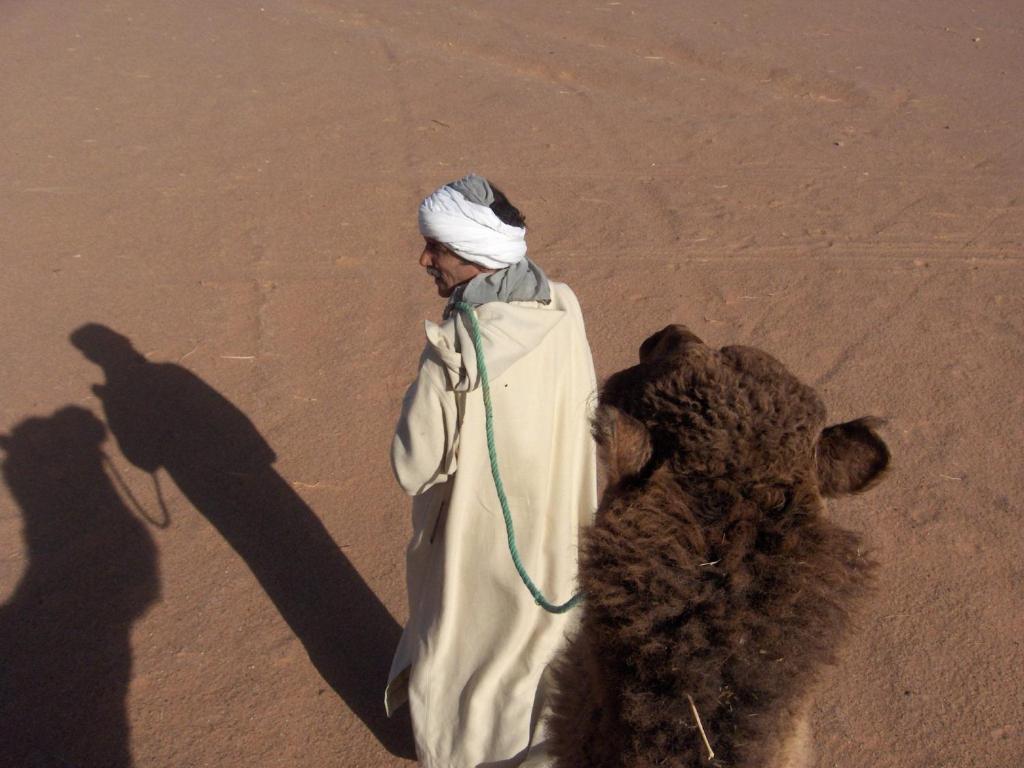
{"type": "Point", "coordinates": [524, 281]}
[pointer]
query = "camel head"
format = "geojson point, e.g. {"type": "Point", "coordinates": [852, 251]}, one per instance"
{"type": "Point", "coordinates": [733, 415]}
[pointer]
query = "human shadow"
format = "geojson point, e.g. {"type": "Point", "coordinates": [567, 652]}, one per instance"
{"type": "Point", "coordinates": [164, 416]}
{"type": "Point", "coordinates": [65, 651]}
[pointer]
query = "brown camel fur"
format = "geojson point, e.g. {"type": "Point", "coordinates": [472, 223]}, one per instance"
{"type": "Point", "coordinates": [710, 574]}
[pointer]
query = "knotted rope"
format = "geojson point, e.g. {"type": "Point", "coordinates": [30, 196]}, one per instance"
{"type": "Point", "coordinates": [538, 597]}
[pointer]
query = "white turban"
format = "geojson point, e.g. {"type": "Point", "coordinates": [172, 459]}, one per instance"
{"type": "Point", "coordinates": [472, 230]}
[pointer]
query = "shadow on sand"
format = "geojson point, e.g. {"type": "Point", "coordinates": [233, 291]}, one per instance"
{"type": "Point", "coordinates": [164, 416]}
{"type": "Point", "coordinates": [65, 652]}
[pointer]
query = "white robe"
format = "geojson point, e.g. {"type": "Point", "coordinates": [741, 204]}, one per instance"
{"type": "Point", "coordinates": [472, 658]}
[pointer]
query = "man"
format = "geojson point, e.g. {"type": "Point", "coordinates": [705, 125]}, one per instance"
{"type": "Point", "coordinates": [471, 661]}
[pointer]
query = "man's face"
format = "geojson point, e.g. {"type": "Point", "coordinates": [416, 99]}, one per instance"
{"type": "Point", "coordinates": [447, 269]}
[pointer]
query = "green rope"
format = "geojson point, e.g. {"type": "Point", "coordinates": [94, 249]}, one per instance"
{"type": "Point", "coordinates": [538, 596]}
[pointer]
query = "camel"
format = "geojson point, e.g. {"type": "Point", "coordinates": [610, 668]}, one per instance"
{"type": "Point", "coordinates": [715, 590]}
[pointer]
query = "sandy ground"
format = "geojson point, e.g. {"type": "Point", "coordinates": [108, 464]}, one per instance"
{"type": "Point", "coordinates": [231, 188]}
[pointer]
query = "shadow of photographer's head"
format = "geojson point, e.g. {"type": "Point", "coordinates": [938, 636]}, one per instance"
{"type": "Point", "coordinates": [72, 431]}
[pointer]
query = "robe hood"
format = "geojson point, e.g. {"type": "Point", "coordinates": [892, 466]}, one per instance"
{"type": "Point", "coordinates": [508, 331]}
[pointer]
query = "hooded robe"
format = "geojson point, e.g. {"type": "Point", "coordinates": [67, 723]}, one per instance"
{"type": "Point", "coordinates": [472, 660]}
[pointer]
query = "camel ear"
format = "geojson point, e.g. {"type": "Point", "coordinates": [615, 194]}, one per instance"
{"type": "Point", "coordinates": [851, 457]}
{"type": "Point", "coordinates": [623, 443]}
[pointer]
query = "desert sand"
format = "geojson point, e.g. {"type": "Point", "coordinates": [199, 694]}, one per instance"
{"type": "Point", "coordinates": [231, 188]}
